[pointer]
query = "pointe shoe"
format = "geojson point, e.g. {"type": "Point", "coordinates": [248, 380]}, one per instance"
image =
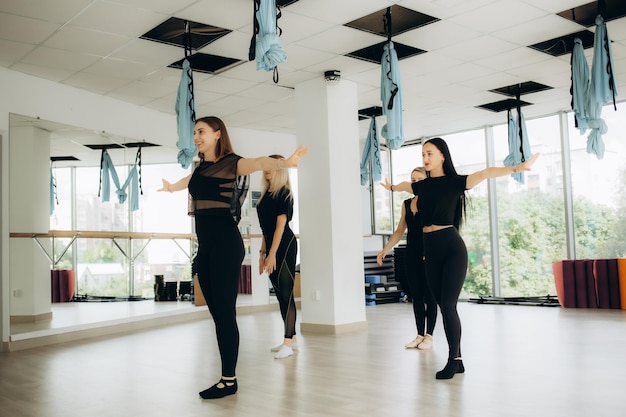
{"type": "Point", "coordinates": [294, 346]}
{"type": "Point", "coordinates": [427, 343]}
{"type": "Point", "coordinates": [454, 366]}
{"type": "Point", "coordinates": [415, 342]}
{"type": "Point", "coordinates": [214, 392]}
{"type": "Point", "coordinates": [284, 352]}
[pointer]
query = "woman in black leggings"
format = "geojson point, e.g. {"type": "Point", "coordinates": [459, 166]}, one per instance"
{"type": "Point", "coordinates": [442, 205]}
{"type": "Point", "coordinates": [278, 251]}
{"type": "Point", "coordinates": [216, 208]}
{"type": "Point", "coordinates": [424, 304]}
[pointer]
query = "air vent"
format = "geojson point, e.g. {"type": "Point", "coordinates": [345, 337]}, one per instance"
{"type": "Point", "coordinates": [564, 44]}
{"type": "Point", "coordinates": [173, 29]}
{"type": "Point", "coordinates": [374, 53]}
{"type": "Point", "coordinates": [402, 20]}
{"type": "Point", "coordinates": [498, 106]}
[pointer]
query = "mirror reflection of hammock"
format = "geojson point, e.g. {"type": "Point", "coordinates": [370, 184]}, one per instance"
{"type": "Point", "coordinates": [107, 172]}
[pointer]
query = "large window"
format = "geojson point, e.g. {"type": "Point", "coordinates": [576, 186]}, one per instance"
{"type": "Point", "coordinates": [530, 215]}
{"type": "Point", "coordinates": [467, 150]}
{"type": "Point", "coordinates": [598, 189]}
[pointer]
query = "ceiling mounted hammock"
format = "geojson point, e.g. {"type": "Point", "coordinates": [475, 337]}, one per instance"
{"type": "Point", "coordinates": [519, 147]}
{"type": "Point", "coordinates": [390, 91]}
{"type": "Point", "coordinates": [591, 93]}
{"type": "Point", "coordinates": [107, 170]}
{"type": "Point", "coordinates": [186, 108]}
{"type": "Point", "coordinates": [265, 46]}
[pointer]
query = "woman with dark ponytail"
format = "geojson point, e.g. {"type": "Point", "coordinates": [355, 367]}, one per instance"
{"type": "Point", "coordinates": [442, 204]}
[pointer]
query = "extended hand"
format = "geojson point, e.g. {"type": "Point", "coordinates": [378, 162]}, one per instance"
{"type": "Point", "coordinates": [295, 157]}
{"type": "Point", "coordinates": [166, 186]}
{"type": "Point", "coordinates": [525, 166]}
{"type": "Point", "coordinates": [386, 185]}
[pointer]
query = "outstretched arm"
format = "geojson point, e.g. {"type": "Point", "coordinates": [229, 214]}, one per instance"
{"type": "Point", "coordinates": [494, 172]}
{"type": "Point", "coordinates": [177, 186]}
{"type": "Point", "coordinates": [403, 186]}
{"type": "Point", "coordinates": [265, 163]}
{"type": "Point", "coordinates": [394, 238]}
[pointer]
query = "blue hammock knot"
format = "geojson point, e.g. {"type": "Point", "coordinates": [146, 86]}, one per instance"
{"type": "Point", "coordinates": [270, 52]}
{"type": "Point", "coordinates": [121, 196]}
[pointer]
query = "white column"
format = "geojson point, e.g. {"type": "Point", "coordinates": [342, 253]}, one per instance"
{"type": "Point", "coordinates": [29, 211]}
{"type": "Point", "coordinates": [331, 242]}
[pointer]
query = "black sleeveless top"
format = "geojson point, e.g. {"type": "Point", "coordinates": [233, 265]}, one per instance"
{"type": "Point", "coordinates": [414, 226]}
{"type": "Point", "coordinates": [211, 187]}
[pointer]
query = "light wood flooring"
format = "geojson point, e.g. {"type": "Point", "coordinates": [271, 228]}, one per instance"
{"type": "Point", "coordinates": [520, 361]}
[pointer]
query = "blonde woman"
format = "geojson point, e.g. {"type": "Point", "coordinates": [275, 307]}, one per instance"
{"type": "Point", "coordinates": [424, 304]}
{"type": "Point", "coordinates": [279, 248]}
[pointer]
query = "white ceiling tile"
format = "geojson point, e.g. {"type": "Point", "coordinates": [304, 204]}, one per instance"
{"type": "Point", "coordinates": [118, 68]}
{"type": "Point", "coordinates": [13, 51]}
{"type": "Point", "coordinates": [443, 9]}
{"type": "Point", "coordinates": [539, 69]}
{"type": "Point", "coordinates": [556, 6]}
{"type": "Point", "coordinates": [341, 40]}
{"type": "Point", "coordinates": [269, 92]}
{"type": "Point", "coordinates": [56, 58]}
{"type": "Point", "coordinates": [45, 10]}
{"type": "Point", "coordinates": [430, 62]}
{"type": "Point", "coordinates": [543, 29]}
{"type": "Point", "coordinates": [436, 35]}
{"type": "Point", "coordinates": [296, 27]}
{"type": "Point", "coordinates": [26, 30]}
{"type": "Point", "coordinates": [75, 39]}
{"type": "Point", "coordinates": [95, 83]}
{"type": "Point", "coordinates": [215, 13]}
{"type": "Point", "coordinates": [477, 48]}
{"type": "Point", "coordinates": [339, 12]}
{"type": "Point", "coordinates": [161, 6]}
{"type": "Point", "coordinates": [234, 45]}
{"type": "Point", "coordinates": [301, 58]}
{"type": "Point", "coordinates": [223, 85]}
{"type": "Point", "coordinates": [484, 19]}
{"type": "Point", "coordinates": [118, 18]}
{"type": "Point", "coordinates": [493, 81]}
{"type": "Point", "coordinates": [147, 52]}
{"type": "Point", "coordinates": [617, 29]}
{"type": "Point", "coordinates": [512, 59]}
{"type": "Point", "coordinates": [46, 72]}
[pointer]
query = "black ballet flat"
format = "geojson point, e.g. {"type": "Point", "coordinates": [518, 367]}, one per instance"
{"type": "Point", "coordinates": [229, 388]}
{"type": "Point", "coordinates": [454, 366]}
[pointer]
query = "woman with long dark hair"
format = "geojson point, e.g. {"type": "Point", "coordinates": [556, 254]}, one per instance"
{"type": "Point", "coordinates": [216, 207]}
{"type": "Point", "coordinates": [442, 206]}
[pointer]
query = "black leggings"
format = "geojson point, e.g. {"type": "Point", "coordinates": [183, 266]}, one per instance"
{"type": "Point", "coordinates": [219, 258]}
{"type": "Point", "coordinates": [283, 279]}
{"type": "Point", "coordinates": [446, 266]}
{"type": "Point", "coordinates": [424, 304]}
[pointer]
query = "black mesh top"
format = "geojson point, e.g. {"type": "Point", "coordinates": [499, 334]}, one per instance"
{"type": "Point", "coordinates": [211, 187]}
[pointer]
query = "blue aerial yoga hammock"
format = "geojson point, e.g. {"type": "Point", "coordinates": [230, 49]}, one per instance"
{"type": "Point", "coordinates": [107, 170]}
{"type": "Point", "coordinates": [186, 117]}
{"type": "Point", "coordinates": [53, 191]}
{"type": "Point", "coordinates": [265, 46]}
{"type": "Point", "coordinates": [519, 147]}
{"type": "Point", "coordinates": [371, 152]}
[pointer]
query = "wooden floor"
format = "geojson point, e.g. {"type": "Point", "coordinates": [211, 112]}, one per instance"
{"type": "Point", "coordinates": [520, 361]}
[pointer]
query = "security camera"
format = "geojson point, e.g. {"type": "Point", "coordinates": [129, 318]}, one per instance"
{"type": "Point", "coordinates": [332, 76]}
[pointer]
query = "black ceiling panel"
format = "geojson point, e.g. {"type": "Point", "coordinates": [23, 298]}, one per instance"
{"type": "Point", "coordinates": [172, 32]}
{"type": "Point", "coordinates": [586, 14]}
{"type": "Point", "coordinates": [522, 88]}
{"type": "Point", "coordinates": [369, 112]}
{"type": "Point", "coordinates": [105, 146]}
{"type": "Point", "coordinates": [63, 158]}
{"type": "Point", "coordinates": [207, 63]}
{"type": "Point", "coordinates": [498, 106]}
{"type": "Point", "coordinates": [402, 20]}
{"type": "Point", "coordinates": [564, 44]}
{"type": "Point", "coordinates": [374, 53]}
